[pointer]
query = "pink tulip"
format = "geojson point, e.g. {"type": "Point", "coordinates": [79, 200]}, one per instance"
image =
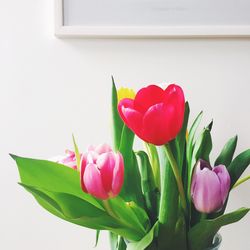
{"type": "Point", "coordinates": [69, 159]}
{"type": "Point", "coordinates": [102, 172]}
{"type": "Point", "coordinates": [210, 187]}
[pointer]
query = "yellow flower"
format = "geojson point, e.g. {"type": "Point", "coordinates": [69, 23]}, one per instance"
{"type": "Point", "coordinates": [125, 93]}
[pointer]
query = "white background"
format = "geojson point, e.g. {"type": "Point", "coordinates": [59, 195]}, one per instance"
{"type": "Point", "coordinates": [51, 88]}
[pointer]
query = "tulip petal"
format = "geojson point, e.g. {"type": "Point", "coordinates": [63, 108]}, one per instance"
{"type": "Point", "coordinates": [133, 119]}
{"type": "Point", "coordinates": [106, 164]}
{"type": "Point", "coordinates": [125, 103]}
{"type": "Point", "coordinates": [103, 148]}
{"type": "Point", "coordinates": [224, 178]}
{"type": "Point", "coordinates": [93, 182]}
{"type": "Point", "coordinates": [118, 175]}
{"type": "Point", "coordinates": [147, 97]}
{"type": "Point", "coordinates": [161, 124]}
{"type": "Point", "coordinates": [83, 164]}
{"type": "Point", "coordinates": [206, 192]}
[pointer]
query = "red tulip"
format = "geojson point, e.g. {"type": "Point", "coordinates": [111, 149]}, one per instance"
{"type": "Point", "coordinates": [102, 172]}
{"type": "Point", "coordinates": [155, 115]}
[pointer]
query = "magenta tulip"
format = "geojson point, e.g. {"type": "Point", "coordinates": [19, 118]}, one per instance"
{"type": "Point", "coordinates": [155, 115]}
{"type": "Point", "coordinates": [68, 160]}
{"type": "Point", "coordinates": [210, 187]}
{"type": "Point", "coordinates": [102, 172]}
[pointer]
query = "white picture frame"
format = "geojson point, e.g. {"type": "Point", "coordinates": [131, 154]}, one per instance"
{"type": "Point", "coordinates": [176, 31]}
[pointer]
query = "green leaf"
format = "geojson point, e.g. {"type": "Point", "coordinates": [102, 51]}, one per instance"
{"type": "Point", "coordinates": [97, 237]}
{"type": "Point", "coordinates": [52, 176]}
{"type": "Point", "coordinates": [145, 241]}
{"type": "Point", "coordinates": [127, 216]}
{"type": "Point", "coordinates": [238, 166]}
{"type": "Point", "coordinates": [201, 235]}
{"type": "Point", "coordinates": [169, 203]}
{"type": "Point", "coordinates": [73, 209]}
{"type": "Point", "coordinates": [181, 138]}
{"type": "Point", "coordinates": [117, 122]}
{"type": "Point", "coordinates": [191, 134]}
{"type": "Point", "coordinates": [77, 154]}
{"type": "Point", "coordinates": [78, 211]}
{"type": "Point", "coordinates": [227, 152]}
{"type": "Point", "coordinates": [131, 190]}
{"type": "Point", "coordinates": [154, 163]}
{"type": "Point", "coordinates": [202, 147]}
{"type": "Point", "coordinates": [148, 183]}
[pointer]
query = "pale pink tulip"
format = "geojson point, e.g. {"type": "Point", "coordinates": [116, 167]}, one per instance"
{"type": "Point", "coordinates": [210, 187]}
{"type": "Point", "coordinates": [69, 159]}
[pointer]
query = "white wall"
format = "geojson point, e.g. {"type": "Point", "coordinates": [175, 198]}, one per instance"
{"type": "Point", "coordinates": [51, 88]}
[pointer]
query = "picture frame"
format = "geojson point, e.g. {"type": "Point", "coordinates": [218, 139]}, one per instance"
{"type": "Point", "coordinates": [187, 29]}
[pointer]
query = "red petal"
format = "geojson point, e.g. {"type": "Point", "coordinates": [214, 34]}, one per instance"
{"type": "Point", "coordinates": [174, 95]}
{"type": "Point", "coordinates": [147, 97]}
{"type": "Point", "coordinates": [131, 117]}
{"type": "Point", "coordinates": [161, 124]}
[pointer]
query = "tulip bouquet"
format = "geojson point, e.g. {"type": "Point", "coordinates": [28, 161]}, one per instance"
{"type": "Point", "coordinates": [168, 196]}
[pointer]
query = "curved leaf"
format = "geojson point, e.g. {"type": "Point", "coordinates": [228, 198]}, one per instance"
{"type": "Point", "coordinates": [227, 152]}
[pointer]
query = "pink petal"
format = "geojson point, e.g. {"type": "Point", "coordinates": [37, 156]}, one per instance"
{"type": "Point", "coordinates": [93, 182]}
{"type": "Point", "coordinates": [83, 164]}
{"type": "Point", "coordinates": [206, 193]}
{"type": "Point", "coordinates": [106, 164]}
{"type": "Point", "coordinates": [224, 179]}
{"type": "Point", "coordinates": [118, 175]}
{"type": "Point", "coordinates": [147, 97]}
{"type": "Point", "coordinates": [103, 148]}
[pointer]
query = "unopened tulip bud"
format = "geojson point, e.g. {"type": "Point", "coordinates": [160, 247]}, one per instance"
{"type": "Point", "coordinates": [102, 172]}
{"type": "Point", "coordinates": [210, 187]}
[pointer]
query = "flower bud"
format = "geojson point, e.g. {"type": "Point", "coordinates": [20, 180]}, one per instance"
{"type": "Point", "coordinates": [210, 187]}
{"type": "Point", "coordinates": [102, 172]}
{"type": "Point", "coordinates": [69, 159]}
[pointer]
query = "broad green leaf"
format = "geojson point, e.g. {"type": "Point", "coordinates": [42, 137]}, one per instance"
{"type": "Point", "coordinates": [75, 210]}
{"type": "Point", "coordinates": [52, 176]}
{"type": "Point", "coordinates": [63, 211]}
{"type": "Point", "coordinates": [238, 166]}
{"type": "Point", "coordinates": [227, 152]}
{"type": "Point", "coordinates": [131, 190]}
{"type": "Point", "coordinates": [202, 233]}
{"type": "Point", "coordinates": [77, 154]}
{"type": "Point", "coordinates": [117, 122]}
{"type": "Point", "coordinates": [145, 241]}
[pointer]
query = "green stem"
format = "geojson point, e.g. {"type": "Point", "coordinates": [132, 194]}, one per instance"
{"type": "Point", "coordinates": [177, 177]}
{"type": "Point", "coordinates": [242, 180]}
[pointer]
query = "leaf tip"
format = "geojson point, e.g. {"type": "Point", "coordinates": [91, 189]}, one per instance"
{"type": "Point", "coordinates": [14, 157]}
